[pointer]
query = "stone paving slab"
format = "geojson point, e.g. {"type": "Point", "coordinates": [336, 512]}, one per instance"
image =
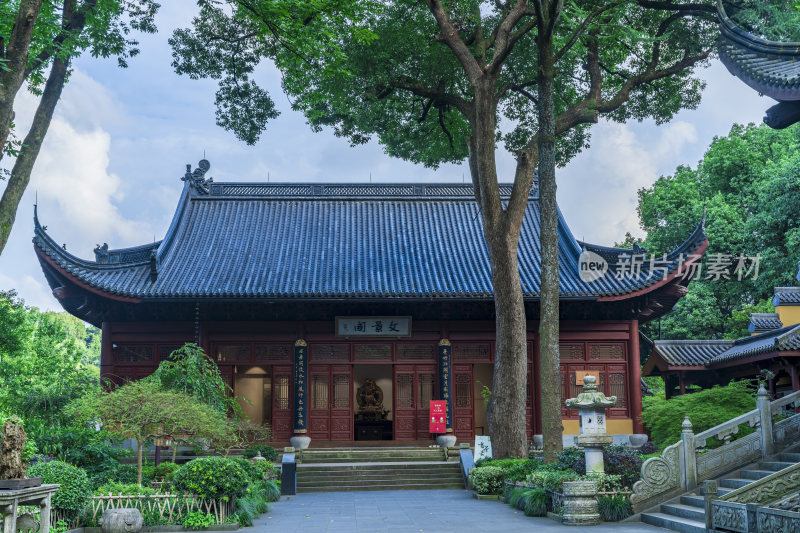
{"type": "Point", "coordinates": [420, 511]}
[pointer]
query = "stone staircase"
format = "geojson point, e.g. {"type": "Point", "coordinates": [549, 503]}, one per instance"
{"type": "Point", "coordinates": [357, 469]}
{"type": "Point", "coordinates": [687, 512]}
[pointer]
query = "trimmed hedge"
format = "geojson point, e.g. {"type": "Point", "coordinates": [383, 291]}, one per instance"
{"type": "Point", "coordinates": [75, 486]}
{"type": "Point", "coordinates": [212, 477]}
{"type": "Point", "coordinates": [487, 479]}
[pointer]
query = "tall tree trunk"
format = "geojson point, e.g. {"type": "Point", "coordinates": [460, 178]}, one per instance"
{"type": "Point", "coordinates": [21, 172]}
{"type": "Point", "coordinates": [506, 411]}
{"type": "Point", "coordinates": [549, 371]}
{"type": "Point", "coordinates": [139, 461]}
{"type": "Point", "coordinates": [15, 54]}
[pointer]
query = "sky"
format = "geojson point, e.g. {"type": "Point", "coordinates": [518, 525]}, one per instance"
{"type": "Point", "coordinates": [110, 167]}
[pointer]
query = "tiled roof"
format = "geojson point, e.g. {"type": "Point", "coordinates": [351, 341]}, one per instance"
{"type": "Point", "coordinates": [786, 296]}
{"type": "Point", "coordinates": [690, 352]}
{"type": "Point", "coordinates": [333, 241]}
{"type": "Point", "coordinates": [761, 322]}
{"type": "Point", "coordinates": [771, 68]}
{"type": "Point", "coordinates": [786, 338]}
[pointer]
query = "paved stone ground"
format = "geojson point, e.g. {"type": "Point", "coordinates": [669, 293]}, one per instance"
{"type": "Point", "coordinates": [420, 511]}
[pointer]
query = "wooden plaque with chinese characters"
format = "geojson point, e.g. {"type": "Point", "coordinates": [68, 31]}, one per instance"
{"type": "Point", "coordinates": [579, 375]}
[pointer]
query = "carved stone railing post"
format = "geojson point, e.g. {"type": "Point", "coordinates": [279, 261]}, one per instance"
{"type": "Point", "coordinates": [689, 455]}
{"type": "Point", "coordinates": [710, 489]}
{"type": "Point", "coordinates": [765, 417]}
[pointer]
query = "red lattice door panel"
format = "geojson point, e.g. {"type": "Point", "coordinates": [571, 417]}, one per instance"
{"type": "Point", "coordinates": [463, 403]}
{"type": "Point", "coordinates": [426, 391]}
{"type": "Point", "coordinates": [341, 395]}
{"type": "Point", "coordinates": [405, 404]}
{"type": "Point", "coordinates": [282, 408]}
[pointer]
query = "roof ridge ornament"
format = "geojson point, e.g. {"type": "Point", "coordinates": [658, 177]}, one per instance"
{"type": "Point", "coordinates": [196, 178]}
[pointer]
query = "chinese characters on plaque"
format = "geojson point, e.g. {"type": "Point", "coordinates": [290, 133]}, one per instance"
{"type": "Point", "coordinates": [373, 326]}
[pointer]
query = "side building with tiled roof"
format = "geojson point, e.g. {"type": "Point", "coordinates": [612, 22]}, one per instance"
{"type": "Point", "coordinates": [375, 281]}
{"type": "Point", "coordinates": [774, 345]}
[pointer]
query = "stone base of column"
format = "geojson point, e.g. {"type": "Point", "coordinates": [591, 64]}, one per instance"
{"type": "Point", "coordinates": [300, 442]}
{"type": "Point", "coordinates": [580, 503]}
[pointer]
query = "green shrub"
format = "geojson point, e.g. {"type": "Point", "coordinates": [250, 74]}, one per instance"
{"type": "Point", "coordinates": [606, 482]}
{"type": "Point", "coordinates": [572, 458]}
{"type": "Point", "coordinates": [514, 469]}
{"type": "Point", "coordinates": [268, 470]}
{"type": "Point", "coordinates": [615, 507]}
{"type": "Point", "coordinates": [271, 490]}
{"type": "Point", "coordinates": [533, 502]}
{"type": "Point", "coordinates": [267, 452]}
{"type": "Point", "coordinates": [126, 489]}
{"type": "Point", "coordinates": [487, 479]}
{"type": "Point", "coordinates": [75, 487]}
{"type": "Point", "coordinates": [211, 477]}
{"type": "Point", "coordinates": [551, 478]}
{"type": "Point", "coordinates": [706, 408]}
{"type": "Point", "coordinates": [165, 471]}
{"type": "Point", "coordinates": [254, 473]}
{"type": "Point", "coordinates": [198, 520]}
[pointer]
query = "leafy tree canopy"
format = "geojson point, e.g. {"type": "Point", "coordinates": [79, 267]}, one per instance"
{"type": "Point", "coordinates": [749, 184]}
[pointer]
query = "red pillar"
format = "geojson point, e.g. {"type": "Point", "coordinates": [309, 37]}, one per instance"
{"type": "Point", "coordinates": [795, 378]}
{"type": "Point", "coordinates": [681, 384]}
{"type": "Point", "coordinates": [106, 355]}
{"type": "Point", "coordinates": [636, 379]}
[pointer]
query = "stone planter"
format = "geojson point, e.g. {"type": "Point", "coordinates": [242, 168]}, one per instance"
{"type": "Point", "coordinates": [638, 440]}
{"type": "Point", "coordinates": [446, 441]}
{"type": "Point", "coordinates": [580, 503]}
{"type": "Point", "coordinates": [300, 442]}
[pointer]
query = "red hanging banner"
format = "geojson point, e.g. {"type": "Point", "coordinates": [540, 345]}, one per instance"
{"type": "Point", "coordinates": [438, 417]}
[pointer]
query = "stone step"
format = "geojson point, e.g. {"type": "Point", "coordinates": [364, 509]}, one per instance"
{"type": "Point", "coordinates": [675, 523]}
{"type": "Point", "coordinates": [693, 500]}
{"type": "Point", "coordinates": [774, 465]}
{"type": "Point", "coordinates": [731, 483]}
{"type": "Point", "coordinates": [722, 491]}
{"type": "Point", "coordinates": [754, 474]}
{"type": "Point", "coordinates": [366, 476]}
{"type": "Point", "coordinates": [418, 465]}
{"type": "Point", "coordinates": [371, 480]}
{"type": "Point", "coordinates": [393, 486]}
{"type": "Point", "coordinates": [684, 511]}
{"type": "Point", "coordinates": [372, 459]}
{"type": "Point", "coordinates": [789, 457]}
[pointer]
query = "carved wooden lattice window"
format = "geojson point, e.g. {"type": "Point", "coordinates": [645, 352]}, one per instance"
{"type": "Point", "coordinates": [405, 391]}
{"type": "Point", "coordinates": [164, 350]}
{"type": "Point", "coordinates": [614, 352]}
{"type": "Point", "coordinates": [471, 352]}
{"type": "Point", "coordinates": [571, 352]}
{"type": "Point", "coordinates": [330, 352]}
{"type": "Point", "coordinates": [463, 390]}
{"type": "Point", "coordinates": [273, 352]}
{"type": "Point", "coordinates": [426, 383]}
{"type": "Point", "coordinates": [416, 352]}
{"type": "Point", "coordinates": [134, 354]}
{"type": "Point", "coordinates": [319, 384]}
{"type": "Point", "coordinates": [373, 352]}
{"type": "Point", "coordinates": [233, 352]}
{"type": "Point", "coordinates": [341, 391]}
{"type": "Point", "coordinates": [282, 391]}
{"type": "Point", "coordinates": [617, 388]}
{"type": "Point", "coordinates": [574, 388]}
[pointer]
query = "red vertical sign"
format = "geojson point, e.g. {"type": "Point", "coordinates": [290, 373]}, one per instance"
{"type": "Point", "coordinates": [438, 417]}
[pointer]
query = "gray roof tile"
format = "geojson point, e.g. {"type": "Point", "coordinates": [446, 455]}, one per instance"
{"type": "Point", "coordinates": [690, 352]}
{"type": "Point", "coordinates": [761, 322]}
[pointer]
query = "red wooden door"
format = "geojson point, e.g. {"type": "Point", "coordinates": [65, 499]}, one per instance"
{"type": "Point", "coordinates": [282, 408]}
{"type": "Point", "coordinates": [319, 426]}
{"type": "Point", "coordinates": [341, 414]}
{"type": "Point", "coordinates": [463, 403]}
{"type": "Point", "coordinates": [426, 391]}
{"type": "Point", "coordinates": [405, 405]}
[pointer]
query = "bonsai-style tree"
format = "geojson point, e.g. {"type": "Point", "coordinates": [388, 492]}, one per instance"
{"type": "Point", "coordinates": [143, 410]}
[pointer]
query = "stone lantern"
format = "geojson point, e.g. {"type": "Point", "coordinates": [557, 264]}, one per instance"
{"type": "Point", "coordinates": [591, 405]}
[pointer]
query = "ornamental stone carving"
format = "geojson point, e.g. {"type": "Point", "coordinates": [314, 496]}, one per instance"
{"type": "Point", "coordinates": [730, 517]}
{"type": "Point", "coordinates": [580, 503]}
{"type": "Point", "coordinates": [124, 520]}
{"type": "Point", "coordinates": [659, 475]}
{"type": "Point", "coordinates": [777, 521]}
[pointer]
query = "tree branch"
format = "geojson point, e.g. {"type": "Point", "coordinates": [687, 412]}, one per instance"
{"type": "Point", "coordinates": [449, 34]}
{"type": "Point", "coordinates": [582, 28]}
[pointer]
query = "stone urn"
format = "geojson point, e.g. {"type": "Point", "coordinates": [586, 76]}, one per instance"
{"type": "Point", "coordinates": [538, 442]}
{"type": "Point", "coordinates": [591, 405]}
{"type": "Point", "coordinates": [300, 442]}
{"type": "Point", "coordinates": [126, 520]}
{"type": "Point", "coordinates": [580, 503]}
{"type": "Point", "coordinates": [447, 440]}
{"type": "Point", "coordinates": [638, 440]}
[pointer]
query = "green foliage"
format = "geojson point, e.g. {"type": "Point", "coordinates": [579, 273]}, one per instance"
{"type": "Point", "coordinates": [165, 471]}
{"type": "Point", "coordinates": [75, 487]}
{"type": "Point", "coordinates": [487, 479]}
{"type": "Point", "coordinates": [513, 469]}
{"type": "Point", "coordinates": [198, 520]}
{"type": "Point", "coordinates": [705, 408]}
{"type": "Point", "coordinates": [126, 489]}
{"type": "Point", "coordinates": [533, 502]}
{"type": "Point", "coordinates": [211, 477]}
{"type": "Point", "coordinates": [254, 473]}
{"type": "Point", "coordinates": [749, 184]}
{"type": "Point", "coordinates": [614, 507]}
{"type": "Point", "coordinates": [272, 491]}
{"type": "Point", "coordinates": [551, 477]}
{"type": "Point", "coordinates": [267, 452]}
{"type": "Point", "coordinates": [190, 371]}
{"type": "Point", "coordinates": [572, 458]}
